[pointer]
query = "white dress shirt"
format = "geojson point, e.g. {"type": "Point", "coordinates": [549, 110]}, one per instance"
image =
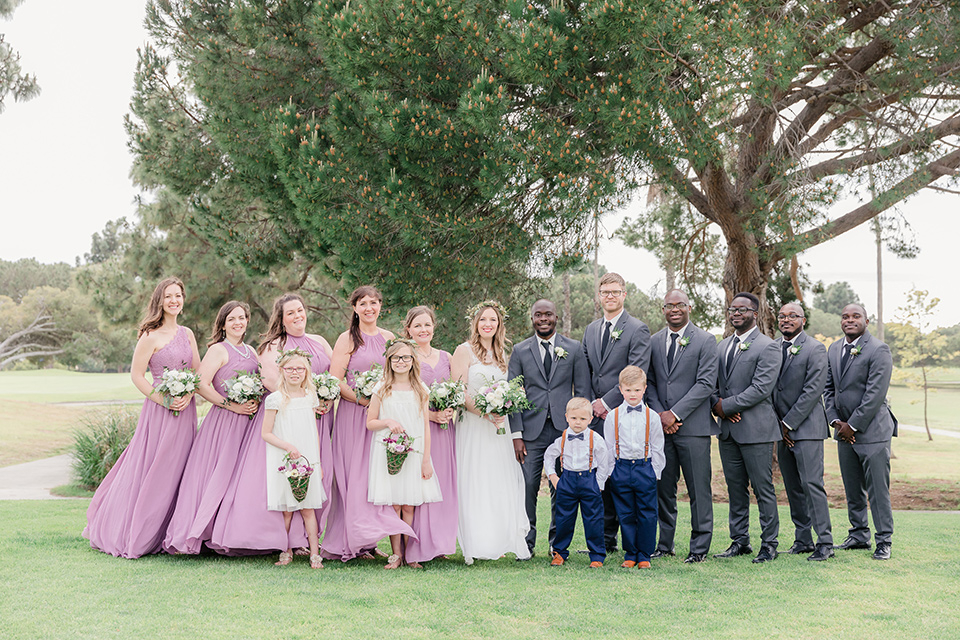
{"type": "Point", "coordinates": [632, 431]}
{"type": "Point", "coordinates": [576, 455]}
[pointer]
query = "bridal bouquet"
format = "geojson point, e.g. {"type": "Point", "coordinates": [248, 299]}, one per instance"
{"type": "Point", "coordinates": [399, 446]}
{"type": "Point", "coordinates": [298, 475]}
{"type": "Point", "coordinates": [501, 398]}
{"type": "Point", "coordinates": [176, 383]}
{"type": "Point", "coordinates": [449, 394]}
{"type": "Point", "coordinates": [244, 387]}
{"type": "Point", "coordinates": [328, 386]}
{"type": "Point", "coordinates": [366, 382]}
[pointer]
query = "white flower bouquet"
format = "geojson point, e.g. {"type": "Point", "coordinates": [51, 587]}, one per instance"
{"type": "Point", "coordinates": [328, 386]}
{"type": "Point", "coordinates": [501, 398]}
{"type": "Point", "coordinates": [243, 387]}
{"type": "Point", "coordinates": [448, 394]}
{"type": "Point", "coordinates": [366, 382]}
{"type": "Point", "coordinates": [176, 383]}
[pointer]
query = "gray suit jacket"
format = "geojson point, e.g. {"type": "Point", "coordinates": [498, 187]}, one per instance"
{"type": "Point", "coordinates": [632, 348]}
{"type": "Point", "coordinates": [858, 394]}
{"type": "Point", "coordinates": [569, 377]}
{"type": "Point", "coordinates": [685, 388]}
{"type": "Point", "coordinates": [747, 390]}
{"type": "Point", "coordinates": [798, 394]}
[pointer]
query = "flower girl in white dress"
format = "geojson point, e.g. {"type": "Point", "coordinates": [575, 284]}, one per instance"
{"type": "Point", "coordinates": [399, 406]}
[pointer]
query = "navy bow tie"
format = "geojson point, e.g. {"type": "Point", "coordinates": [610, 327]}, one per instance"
{"type": "Point", "coordinates": [579, 436]}
{"type": "Point", "coordinates": [636, 408]}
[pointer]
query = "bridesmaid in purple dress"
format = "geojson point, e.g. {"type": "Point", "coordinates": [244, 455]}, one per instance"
{"type": "Point", "coordinates": [435, 523]}
{"type": "Point", "coordinates": [244, 526]}
{"type": "Point", "coordinates": [355, 525]}
{"type": "Point", "coordinates": [129, 513]}
{"type": "Point", "coordinates": [216, 449]}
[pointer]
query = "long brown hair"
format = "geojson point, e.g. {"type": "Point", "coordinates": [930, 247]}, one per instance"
{"type": "Point", "coordinates": [275, 330]}
{"type": "Point", "coordinates": [153, 316]}
{"type": "Point", "coordinates": [219, 332]}
{"type": "Point", "coordinates": [359, 293]}
{"type": "Point", "coordinates": [412, 315]}
{"type": "Point", "coordinates": [499, 342]}
{"type": "Point", "coordinates": [423, 394]}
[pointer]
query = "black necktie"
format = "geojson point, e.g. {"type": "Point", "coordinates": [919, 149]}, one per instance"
{"type": "Point", "coordinates": [547, 358]}
{"type": "Point", "coordinates": [636, 408]}
{"type": "Point", "coordinates": [672, 351]}
{"type": "Point", "coordinates": [786, 348]}
{"type": "Point", "coordinates": [605, 340]}
{"type": "Point", "coordinates": [846, 356]}
{"type": "Point", "coordinates": [579, 436]}
{"type": "Point", "coordinates": [733, 352]}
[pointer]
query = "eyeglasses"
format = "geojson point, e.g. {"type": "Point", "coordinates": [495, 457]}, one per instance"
{"type": "Point", "coordinates": [788, 316]}
{"type": "Point", "coordinates": [680, 306]}
{"type": "Point", "coordinates": [611, 294]}
{"type": "Point", "coordinates": [295, 369]}
{"type": "Point", "coordinates": [734, 311]}
{"type": "Point", "coordinates": [401, 358]}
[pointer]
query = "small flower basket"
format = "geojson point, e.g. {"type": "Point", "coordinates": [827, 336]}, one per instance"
{"type": "Point", "coordinates": [399, 446]}
{"type": "Point", "coordinates": [298, 475]}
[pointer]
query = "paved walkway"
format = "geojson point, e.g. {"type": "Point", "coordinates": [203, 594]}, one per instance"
{"type": "Point", "coordinates": [33, 480]}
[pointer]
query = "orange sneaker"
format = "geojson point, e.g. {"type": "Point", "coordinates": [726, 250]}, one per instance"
{"type": "Point", "coordinates": [643, 564]}
{"type": "Point", "coordinates": [596, 564]}
{"type": "Point", "coordinates": [557, 560]}
{"type": "Point", "coordinates": [628, 564]}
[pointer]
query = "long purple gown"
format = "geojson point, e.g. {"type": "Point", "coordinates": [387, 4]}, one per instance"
{"type": "Point", "coordinates": [435, 523]}
{"type": "Point", "coordinates": [355, 525]}
{"type": "Point", "coordinates": [212, 461]}
{"type": "Point", "coordinates": [131, 509]}
{"type": "Point", "coordinates": [244, 525]}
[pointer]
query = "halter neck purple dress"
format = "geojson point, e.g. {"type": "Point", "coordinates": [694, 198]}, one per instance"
{"type": "Point", "coordinates": [435, 523]}
{"type": "Point", "coordinates": [355, 525]}
{"type": "Point", "coordinates": [244, 525]}
{"type": "Point", "coordinates": [129, 513]}
{"type": "Point", "coordinates": [212, 461]}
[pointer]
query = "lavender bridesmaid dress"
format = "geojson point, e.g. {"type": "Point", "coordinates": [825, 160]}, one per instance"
{"type": "Point", "coordinates": [212, 461]}
{"type": "Point", "coordinates": [435, 523]}
{"type": "Point", "coordinates": [131, 509]}
{"type": "Point", "coordinates": [355, 525]}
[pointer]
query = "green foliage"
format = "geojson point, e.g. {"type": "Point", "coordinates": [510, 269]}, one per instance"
{"type": "Point", "coordinates": [835, 297]}
{"type": "Point", "coordinates": [12, 79]}
{"type": "Point", "coordinates": [17, 278]}
{"type": "Point", "coordinates": [98, 444]}
{"type": "Point", "coordinates": [822, 323]}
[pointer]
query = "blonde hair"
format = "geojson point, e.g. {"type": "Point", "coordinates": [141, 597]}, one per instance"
{"type": "Point", "coordinates": [579, 403]}
{"type": "Point", "coordinates": [306, 384]}
{"type": "Point", "coordinates": [633, 375]}
{"type": "Point", "coordinates": [389, 377]}
{"type": "Point", "coordinates": [612, 278]}
{"type": "Point", "coordinates": [499, 343]}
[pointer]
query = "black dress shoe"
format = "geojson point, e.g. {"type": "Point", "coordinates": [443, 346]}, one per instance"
{"type": "Point", "coordinates": [767, 553]}
{"type": "Point", "coordinates": [694, 558]}
{"type": "Point", "coordinates": [823, 552]}
{"type": "Point", "coordinates": [660, 553]}
{"type": "Point", "coordinates": [532, 554]}
{"type": "Point", "coordinates": [798, 547]}
{"type": "Point", "coordinates": [852, 543]}
{"type": "Point", "coordinates": [735, 549]}
{"type": "Point", "coordinates": [882, 552]}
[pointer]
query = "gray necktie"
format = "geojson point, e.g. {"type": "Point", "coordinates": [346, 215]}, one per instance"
{"type": "Point", "coordinates": [605, 340]}
{"type": "Point", "coordinates": [732, 354]}
{"type": "Point", "coordinates": [547, 360]}
{"type": "Point", "coordinates": [672, 352]}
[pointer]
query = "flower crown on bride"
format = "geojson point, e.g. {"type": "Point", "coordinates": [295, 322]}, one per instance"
{"type": "Point", "coordinates": [296, 351]}
{"type": "Point", "coordinates": [474, 310]}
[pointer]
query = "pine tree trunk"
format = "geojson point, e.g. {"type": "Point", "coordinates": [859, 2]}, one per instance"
{"type": "Point", "coordinates": [567, 313]}
{"type": "Point", "coordinates": [743, 272]}
{"type": "Point", "coordinates": [877, 231]}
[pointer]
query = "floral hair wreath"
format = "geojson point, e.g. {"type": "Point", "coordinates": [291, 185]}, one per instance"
{"type": "Point", "coordinates": [474, 310]}
{"type": "Point", "coordinates": [296, 351]}
{"type": "Point", "coordinates": [407, 341]}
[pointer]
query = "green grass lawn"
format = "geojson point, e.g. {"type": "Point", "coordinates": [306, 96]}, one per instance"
{"type": "Point", "coordinates": [53, 385]}
{"type": "Point", "coordinates": [55, 586]}
{"type": "Point", "coordinates": [943, 412]}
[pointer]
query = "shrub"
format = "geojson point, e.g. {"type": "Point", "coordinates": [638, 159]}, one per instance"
{"type": "Point", "coordinates": [98, 444]}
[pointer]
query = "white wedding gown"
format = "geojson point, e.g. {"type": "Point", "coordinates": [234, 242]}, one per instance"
{"type": "Point", "coordinates": [493, 518]}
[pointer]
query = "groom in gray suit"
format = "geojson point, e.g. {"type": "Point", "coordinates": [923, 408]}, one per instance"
{"type": "Point", "coordinates": [798, 399]}
{"type": "Point", "coordinates": [749, 363]}
{"type": "Point", "coordinates": [611, 343]}
{"type": "Point", "coordinates": [683, 376]}
{"type": "Point", "coordinates": [554, 370]}
{"type": "Point", "coordinates": [860, 367]}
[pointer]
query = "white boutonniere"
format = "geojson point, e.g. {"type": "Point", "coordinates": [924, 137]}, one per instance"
{"type": "Point", "coordinates": [684, 341]}
{"type": "Point", "coordinates": [795, 349]}
{"type": "Point", "coordinates": [615, 334]}
{"type": "Point", "coordinates": [856, 351]}
{"type": "Point", "coordinates": [743, 346]}
{"type": "Point", "coordinates": [560, 352]}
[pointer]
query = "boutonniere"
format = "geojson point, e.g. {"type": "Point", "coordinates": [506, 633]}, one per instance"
{"type": "Point", "coordinates": [560, 352]}
{"type": "Point", "coordinates": [615, 334]}
{"type": "Point", "coordinates": [795, 349]}
{"type": "Point", "coordinates": [856, 351]}
{"type": "Point", "coordinates": [684, 341]}
{"type": "Point", "coordinates": [743, 346]}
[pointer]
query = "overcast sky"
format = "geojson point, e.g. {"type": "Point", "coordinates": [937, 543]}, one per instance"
{"type": "Point", "coordinates": [64, 164]}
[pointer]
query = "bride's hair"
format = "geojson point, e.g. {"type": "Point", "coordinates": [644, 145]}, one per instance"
{"type": "Point", "coordinates": [499, 344]}
{"type": "Point", "coordinates": [389, 377]}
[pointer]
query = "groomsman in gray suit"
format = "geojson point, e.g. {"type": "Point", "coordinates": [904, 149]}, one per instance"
{"type": "Point", "coordinates": [611, 343]}
{"type": "Point", "coordinates": [683, 376]}
{"type": "Point", "coordinates": [554, 370]}
{"type": "Point", "coordinates": [749, 364]}
{"type": "Point", "coordinates": [860, 367]}
{"type": "Point", "coordinates": [798, 399]}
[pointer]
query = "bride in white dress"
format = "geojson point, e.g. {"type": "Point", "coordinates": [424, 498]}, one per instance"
{"type": "Point", "coordinates": [493, 520]}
